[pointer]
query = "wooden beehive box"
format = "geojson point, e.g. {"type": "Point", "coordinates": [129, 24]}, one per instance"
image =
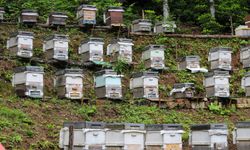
{"type": "Point", "coordinates": [86, 14]}
{"type": "Point", "coordinates": [114, 16]}
{"type": "Point", "coordinates": [57, 19]}
{"type": "Point", "coordinates": [28, 16]}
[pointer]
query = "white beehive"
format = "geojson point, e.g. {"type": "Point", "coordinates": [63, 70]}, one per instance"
{"type": "Point", "coordinates": [91, 49]}
{"type": "Point", "coordinates": [121, 49]}
{"type": "Point", "coordinates": [153, 56]}
{"type": "Point", "coordinates": [56, 47]}
{"type": "Point", "coordinates": [28, 81]}
{"type": "Point", "coordinates": [145, 85]}
{"type": "Point", "coordinates": [21, 44]}
{"type": "Point", "coordinates": [69, 83]}
{"type": "Point", "coordinates": [220, 58]}
{"type": "Point", "coordinates": [207, 136]}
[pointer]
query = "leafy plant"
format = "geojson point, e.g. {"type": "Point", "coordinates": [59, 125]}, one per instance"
{"type": "Point", "coordinates": [218, 109]}
{"type": "Point", "coordinates": [87, 111]}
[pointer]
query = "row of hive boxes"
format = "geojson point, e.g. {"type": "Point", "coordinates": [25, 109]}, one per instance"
{"type": "Point", "coordinates": [119, 136]}
{"type": "Point", "coordinates": [56, 47]}
{"type": "Point", "coordinates": [28, 81]}
{"type": "Point", "coordinates": [86, 15]}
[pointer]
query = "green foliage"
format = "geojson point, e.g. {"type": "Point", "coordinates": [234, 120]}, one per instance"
{"type": "Point", "coordinates": [150, 14]}
{"type": "Point", "coordinates": [120, 66]}
{"type": "Point", "coordinates": [218, 109]}
{"type": "Point", "coordinates": [87, 111]}
{"type": "Point", "coordinates": [209, 24]}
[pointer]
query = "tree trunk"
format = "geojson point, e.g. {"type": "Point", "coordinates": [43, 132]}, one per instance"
{"type": "Point", "coordinates": [231, 25]}
{"type": "Point", "coordinates": [165, 10]}
{"type": "Point", "coordinates": [212, 8]}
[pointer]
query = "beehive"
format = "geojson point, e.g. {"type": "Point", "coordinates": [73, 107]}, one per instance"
{"type": "Point", "coordinates": [245, 56]}
{"type": "Point", "coordinates": [28, 16]}
{"type": "Point", "coordinates": [28, 81]}
{"type": "Point", "coordinates": [69, 83]}
{"type": "Point", "coordinates": [141, 25]}
{"type": "Point", "coordinates": [153, 56]}
{"type": "Point", "coordinates": [86, 14]}
{"type": "Point", "coordinates": [114, 16]}
{"type": "Point", "coordinates": [21, 44]}
{"type": "Point", "coordinates": [56, 47]}
{"type": "Point", "coordinates": [57, 19]}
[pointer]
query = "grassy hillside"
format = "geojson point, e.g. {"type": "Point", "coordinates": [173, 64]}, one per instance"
{"type": "Point", "coordinates": [35, 124]}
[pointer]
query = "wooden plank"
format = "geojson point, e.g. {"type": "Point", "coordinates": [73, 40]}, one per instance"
{"type": "Point", "coordinates": [71, 137]}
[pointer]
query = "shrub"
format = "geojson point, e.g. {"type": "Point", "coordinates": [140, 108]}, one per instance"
{"type": "Point", "coordinates": [209, 24]}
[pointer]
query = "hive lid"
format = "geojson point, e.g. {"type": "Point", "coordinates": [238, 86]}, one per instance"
{"type": "Point", "coordinates": [154, 47]}
{"type": "Point", "coordinates": [115, 126]}
{"type": "Point", "coordinates": [154, 127]}
{"type": "Point", "coordinates": [28, 68]}
{"type": "Point", "coordinates": [59, 14]}
{"type": "Point", "coordinates": [217, 73]}
{"type": "Point", "coordinates": [57, 37]}
{"type": "Point", "coordinates": [92, 39]}
{"type": "Point", "coordinates": [76, 125]}
{"type": "Point", "coordinates": [134, 126]}
{"type": "Point", "coordinates": [208, 127]}
{"type": "Point", "coordinates": [23, 33]}
{"type": "Point", "coordinates": [115, 8]}
{"type": "Point", "coordinates": [95, 125]}
{"type": "Point", "coordinates": [2, 9]}
{"type": "Point", "coordinates": [142, 20]}
{"type": "Point", "coordinates": [145, 73]}
{"type": "Point", "coordinates": [245, 48]}
{"type": "Point", "coordinates": [181, 85]}
{"type": "Point", "coordinates": [191, 57]}
{"type": "Point", "coordinates": [29, 11]}
{"type": "Point", "coordinates": [123, 40]}
{"type": "Point", "coordinates": [106, 71]}
{"type": "Point", "coordinates": [247, 74]}
{"type": "Point", "coordinates": [215, 49]}
{"type": "Point", "coordinates": [172, 127]}
{"type": "Point", "coordinates": [243, 124]}
{"type": "Point", "coordinates": [69, 71]}
{"type": "Point", "coordinates": [87, 7]}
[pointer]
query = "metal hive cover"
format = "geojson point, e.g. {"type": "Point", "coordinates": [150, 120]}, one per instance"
{"type": "Point", "coordinates": [24, 33]}
{"type": "Point", "coordinates": [57, 37]}
{"type": "Point", "coordinates": [196, 57]}
{"type": "Point", "coordinates": [76, 125]}
{"type": "Point", "coordinates": [142, 20]}
{"type": "Point", "coordinates": [115, 126]}
{"type": "Point", "coordinates": [134, 126]}
{"type": "Point", "coordinates": [69, 71]}
{"type": "Point", "coordinates": [105, 71]}
{"type": "Point", "coordinates": [154, 127]}
{"type": "Point", "coordinates": [243, 124]}
{"type": "Point", "coordinates": [2, 9]}
{"type": "Point", "coordinates": [215, 49]}
{"type": "Point", "coordinates": [145, 73]}
{"type": "Point", "coordinates": [208, 127]}
{"type": "Point", "coordinates": [58, 13]}
{"type": "Point", "coordinates": [181, 85]}
{"type": "Point", "coordinates": [154, 47]}
{"type": "Point", "coordinates": [172, 127]}
{"type": "Point", "coordinates": [87, 6]}
{"type": "Point", "coordinates": [116, 8]}
{"type": "Point", "coordinates": [247, 74]}
{"type": "Point", "coordinates": [28, 68]}
{"type": "Point", "coordinates": [200, 127]}
{"type": "Point", "coordinates": [95, 125]}
{"type": "Point", "coordinates": [124, 40]}
{"type": "Point", "coordinates": [217, 73]}
{"type": "Point", "coordinates": [92, 39]}
{"type": "Point", "coordinates": [245, 48]}
{"type": "Point", "coordinates": [29, 11]}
